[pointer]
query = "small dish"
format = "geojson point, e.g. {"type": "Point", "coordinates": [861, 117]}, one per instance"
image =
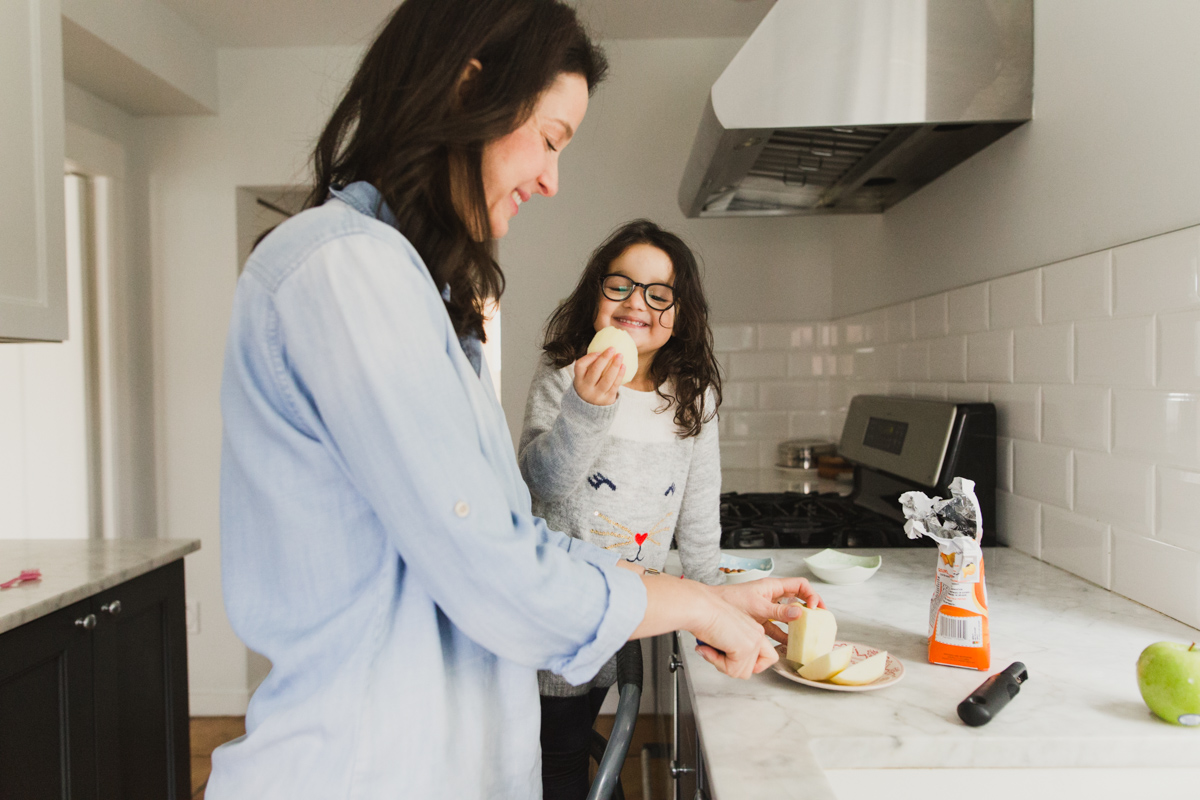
{"type": "Point", "coordinates": [892, 672]}
{"type": "Point", "coordinates": [752, 568]}
{"type": "Point", "coordinates": [834, 566]}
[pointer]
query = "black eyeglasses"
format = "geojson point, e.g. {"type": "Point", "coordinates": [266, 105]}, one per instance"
{"type": "Point", "coordinates": [659, 296]}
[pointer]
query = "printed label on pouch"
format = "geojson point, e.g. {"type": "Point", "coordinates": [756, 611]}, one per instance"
{"type": "Point", "coordinates": [960, 631]}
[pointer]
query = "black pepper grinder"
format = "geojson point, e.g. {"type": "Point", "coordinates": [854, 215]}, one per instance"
{"type": "Point", "coordinates": [993, 695]}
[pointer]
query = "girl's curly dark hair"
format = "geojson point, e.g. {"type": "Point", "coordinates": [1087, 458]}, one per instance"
{"type": "Point", "coordinates": [686, 359]}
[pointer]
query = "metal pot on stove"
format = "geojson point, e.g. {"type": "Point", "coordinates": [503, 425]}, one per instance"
{"type": "Point", "coordinates": [803, 453]}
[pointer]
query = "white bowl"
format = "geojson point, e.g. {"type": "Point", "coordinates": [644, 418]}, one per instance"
{"type": "Point", "coordinates": [833, 566]}
{"type": "Point", "coordinates": [755, 568]}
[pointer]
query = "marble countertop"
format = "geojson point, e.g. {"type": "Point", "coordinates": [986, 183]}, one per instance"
{"type": "Point", "coordinates": [771, 737]}
{"type": "Point", "coordinates": [774, 479]}
{"type": "Point", "coordinates": [73, 569]}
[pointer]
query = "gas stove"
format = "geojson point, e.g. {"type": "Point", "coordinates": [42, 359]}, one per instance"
{"type": "Point", "coordinates": [897, 445]}
{"type": "Point", "coordinates": [794, 519]}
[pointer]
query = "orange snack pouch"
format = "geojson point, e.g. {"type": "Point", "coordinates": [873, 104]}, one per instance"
{"type": "Point", "coordinates": [958, 612]}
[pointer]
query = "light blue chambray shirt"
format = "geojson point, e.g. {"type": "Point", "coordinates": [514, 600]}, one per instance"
{"type": "Point", "coordinates": [377, 543]}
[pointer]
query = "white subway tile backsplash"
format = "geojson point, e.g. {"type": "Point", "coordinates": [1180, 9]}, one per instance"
{"type": "Point", "coordinates": [930, 390]}
{"type": "Point", "coordinates": [788, 396]}
{"type": "Point", "coordinates": [812, 425]}
{"type": "Point", "coordinates": [1157, 425]}
{"type": "Point", "coordinates": [990, 356]}
{"type": "Point", "coordinates": [1116, 490]}
{"type": "Point", "coordinates": [811, 365]}
{"type": "Point", "coordinates": [1078, 289]}
{"type": "Point", "coordinates": [827, 334]}
{"type": "Point", "coordinates": [1177, 513]}
{"type": "Point", "coordinates": [1015, 301]}
{"type": "Point", "coordinates": [1157, 274]}
{"type": "Point", "coordinates": [1004, 463]}
{"type": "Point", "coordinates": [739, 454]}
{"type": "Point", "coordinates": [863, 329]}
{"type": "Point", "coordinates": [768, 451]}
{"type": "Point", "coordinates": [1117, 352]}
{"type": "Point", "coordinates": [1179, 350]}
{"type": "Point", "coordinates": [747, 366]}
{"type": "Point", "coordinates": [727, 338]}
{"type": "Point", "coordinates": [930, 317]}
{"type": "Point", "coordinates": [739, 396]}
{"type": "Point", "coordinates": [1076, 544]}
{"type": "Point", "coordinates": [758, 424]}
{"type": "Point", "coordinates": [1094, 367]}
{"type": "Point", "coordinates": [967, 309]}
{"type": "Point", "coordinates": [1042, 472]}
{"type": "Point", "coordinates": [1018, 410]}
{"type": "Point", "coordinates": [900, 322]}
{"type": "Point", "coordinates": [1077, 416]}
{"type": "Point", "coordinates": [948, 358]}
{"type": "Point", "coordinates": [1163, 577]}
{"type": "Point", "coordinates": [1018, 523]}
{"type": "Point", "coordinates": [785, 336]}
{"type": "Point", "coordinates": [913, 362]}
{"type": "Point", "coordinates": [967, 392]}
{"type": "Point", "coordinates": [1043, 355]}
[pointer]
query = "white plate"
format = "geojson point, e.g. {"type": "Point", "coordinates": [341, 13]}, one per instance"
{"type": "Point", "coordinates": [755, 568]}
{"type": "Point", "coordinates": [892, 672]}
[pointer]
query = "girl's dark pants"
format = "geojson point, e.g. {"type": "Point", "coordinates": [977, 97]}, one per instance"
{"type": "Point", "coordinates": [566, 735]}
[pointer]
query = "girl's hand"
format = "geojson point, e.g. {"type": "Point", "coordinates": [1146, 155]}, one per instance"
{"type": "Point", "coordinates": [760, 599]}
{"type": "Point", "coordinates": [598, 376]}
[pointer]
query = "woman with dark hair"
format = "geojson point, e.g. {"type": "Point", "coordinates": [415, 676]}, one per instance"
{"type": "Point", "coordinates": [377, 542]}
{"type": "Point", "coordinates": [631, 473]}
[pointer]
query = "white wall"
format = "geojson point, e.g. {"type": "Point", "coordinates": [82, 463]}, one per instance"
{"type": "Point", "coordinates": [273, 104]}
{"type": "Point", "coordinates": [1110, 157]}
{"type": "Point", "coordinates": [626, 162]}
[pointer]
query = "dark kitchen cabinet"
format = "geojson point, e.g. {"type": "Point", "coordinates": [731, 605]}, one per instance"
{"type": "Point", "coordinates": [93, 697]}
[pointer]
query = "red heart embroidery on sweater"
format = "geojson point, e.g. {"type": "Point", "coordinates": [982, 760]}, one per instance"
{"type": "Point", "coordinates": [640, 537]}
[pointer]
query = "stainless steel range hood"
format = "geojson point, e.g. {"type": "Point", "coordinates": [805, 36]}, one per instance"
{"type": "Point", "coordinates": [849, 106]}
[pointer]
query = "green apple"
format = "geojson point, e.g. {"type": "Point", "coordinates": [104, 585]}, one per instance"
{"type": "Point", "coordinates": [1168, 676]}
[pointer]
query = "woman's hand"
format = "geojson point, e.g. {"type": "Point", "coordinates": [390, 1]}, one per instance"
{"type": "Point", "coordinates": [598, 377]}
{"type": "Point", "coordinates": [732, 640]}
{"type": "Point", "coordinates": [760, 599]}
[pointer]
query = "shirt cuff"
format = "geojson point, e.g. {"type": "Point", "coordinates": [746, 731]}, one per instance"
{"type": "Point", "coordinates": [581, 412]}
{"type": "Point", "coordinates": [592, 554]}
{"type": "Point", "coordinates": [626, 609]}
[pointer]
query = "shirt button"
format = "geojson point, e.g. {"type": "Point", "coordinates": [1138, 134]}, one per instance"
{"type": "Point", "coordinates": [461, 508]}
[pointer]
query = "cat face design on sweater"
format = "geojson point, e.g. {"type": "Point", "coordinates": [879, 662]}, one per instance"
{"type": "Point", "coordinates": [625, 536]}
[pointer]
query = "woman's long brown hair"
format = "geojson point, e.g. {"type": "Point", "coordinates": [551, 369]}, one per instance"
{"type": "Point", "coordinates": [686, 359]}
{"type": "Point", "coordinates": [407, 115]}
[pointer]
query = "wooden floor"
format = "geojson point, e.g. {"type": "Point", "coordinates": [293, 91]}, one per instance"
{"type": "Point", "coordinates": [209, 732]}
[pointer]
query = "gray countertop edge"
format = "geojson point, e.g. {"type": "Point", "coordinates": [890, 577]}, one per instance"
{"type": "Point", "coordinates": [171, 550]}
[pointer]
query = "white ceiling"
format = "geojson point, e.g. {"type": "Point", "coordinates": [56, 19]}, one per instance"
{"type": "Point", "coordinates": [285, 23]}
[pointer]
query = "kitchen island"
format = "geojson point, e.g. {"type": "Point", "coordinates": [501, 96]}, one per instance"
{"type": "Point", "coordinates": [93, 670]}
{"type": "Point", "coordinates": [1078, 728]}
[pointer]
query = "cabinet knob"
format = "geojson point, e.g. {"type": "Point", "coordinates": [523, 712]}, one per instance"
{"type": "Point", "coordinates": [87, 623]}
{"type": "Point", "coordinates": [113, 608]}
{"type": "Point", "coordinates": [677, 770]}
{"type": "Point", "coordinates": [675, 663]}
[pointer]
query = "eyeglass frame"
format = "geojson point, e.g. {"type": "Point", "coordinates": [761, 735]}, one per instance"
{"type": "Point", "coordinates": [645, 287]}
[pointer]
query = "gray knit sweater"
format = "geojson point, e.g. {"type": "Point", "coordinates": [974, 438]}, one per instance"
{"type": "Point", "coordinates": [621, 478]}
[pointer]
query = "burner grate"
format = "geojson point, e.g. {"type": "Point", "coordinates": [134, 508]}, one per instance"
{"type": "Point", "coordinates": [791, 519]}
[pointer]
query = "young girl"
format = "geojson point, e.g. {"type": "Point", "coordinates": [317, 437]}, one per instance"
{"type": "Point", "coordinates": [625, 467]}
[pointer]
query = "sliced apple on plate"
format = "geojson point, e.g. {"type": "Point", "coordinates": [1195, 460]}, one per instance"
{"type": "Point", "coordinates": [828, 665]}
{"type": "Point", "coordinates": [866, 671]}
